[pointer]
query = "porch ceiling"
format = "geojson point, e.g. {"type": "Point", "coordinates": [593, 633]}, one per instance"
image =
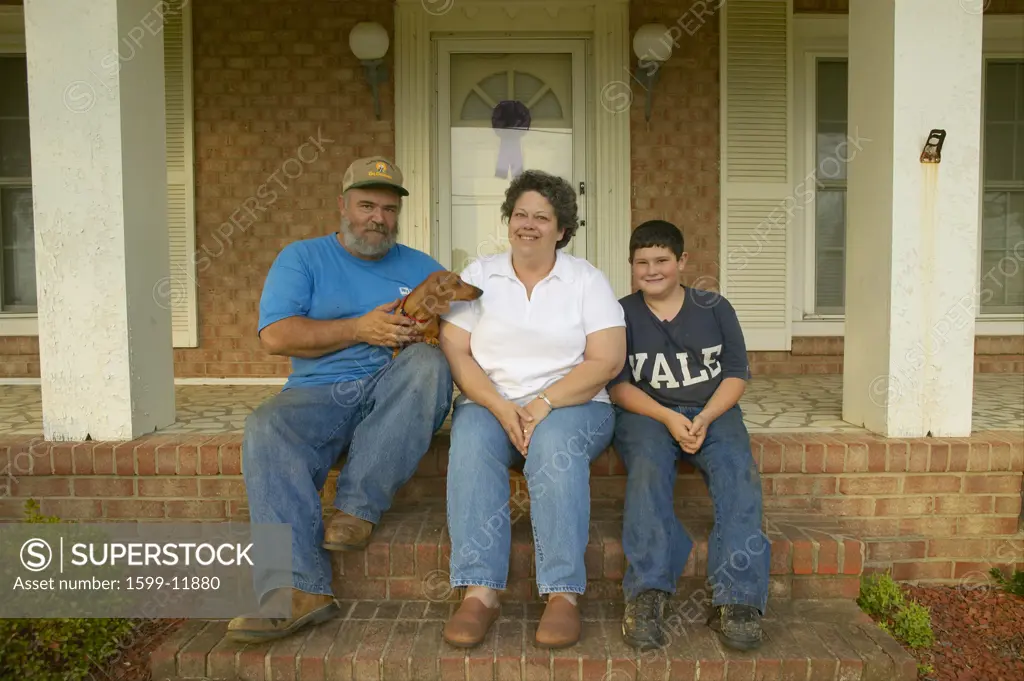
{"type": "Point", "coordinates": [772, 404]}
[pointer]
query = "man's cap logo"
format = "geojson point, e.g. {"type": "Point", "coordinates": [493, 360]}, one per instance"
{"type": "Point", "coordinates": [380, 169]}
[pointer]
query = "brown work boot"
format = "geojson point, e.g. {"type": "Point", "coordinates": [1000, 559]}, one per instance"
{"type": "Point", "coordinates": [469, 625]}
{"type": "Point", "coordinates": [345, 532]}
{"type": "Point", "coordinates": [559, 625]}
{"type": "Point", "coordinates": [306, 609]}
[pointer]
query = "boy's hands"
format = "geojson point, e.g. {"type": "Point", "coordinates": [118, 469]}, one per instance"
{"type": "Point", "coordinates": [689, 434]}
{"type": "Point", "coordinates": [680, 428]}
{"type": "Point", "coordinates": [698, 431]}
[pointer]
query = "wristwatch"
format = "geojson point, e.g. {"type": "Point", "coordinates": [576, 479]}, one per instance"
{"type": "Point", "coordinates": [544, 397]}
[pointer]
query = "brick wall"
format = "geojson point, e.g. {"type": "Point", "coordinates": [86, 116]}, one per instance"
{"type": "Point", "coordinates": [268, 77]}
{"type": "Point", "coordinates": [824, 355]}
{"type": "Point", "coordinates": [668, 184]}
{"type": "Point", "coordinates": [993, 354]}
{"type": "Point", "coordinates": [19, 356]}
{"type": "Point", "coordinates": [273, 75]}
{"type": "Point", "coordinates": [926, 508]}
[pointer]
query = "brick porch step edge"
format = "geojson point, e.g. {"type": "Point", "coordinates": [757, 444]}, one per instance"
{"type": "Point", "coordinates": [205, 454]}
{"type": "Point", "coordinates": [823, 641]}
{"type": "Point", "coordinates": [408, 557]}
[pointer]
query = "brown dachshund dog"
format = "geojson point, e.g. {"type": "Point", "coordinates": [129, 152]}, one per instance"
{"type": "Point", "coordinates": [434, 297]}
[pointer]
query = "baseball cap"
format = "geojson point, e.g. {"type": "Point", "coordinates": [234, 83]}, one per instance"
{"type": "Point", "coordinates": [374, 171]}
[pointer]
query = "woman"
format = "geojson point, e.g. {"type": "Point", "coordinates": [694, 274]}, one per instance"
{"type": "Point", "coordinates": [531, 358]}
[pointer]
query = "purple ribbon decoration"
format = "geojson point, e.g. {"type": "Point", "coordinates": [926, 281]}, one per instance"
{"type": "Point", "coordinates": [510, 121]}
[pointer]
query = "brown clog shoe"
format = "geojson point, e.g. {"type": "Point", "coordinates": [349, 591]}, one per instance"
{"type": "Point", "coordinates": [469, 625]}
{"type": "Point", "coordinates": [345, 532]}
{"type": "Point", "coordinates": [559, 625]}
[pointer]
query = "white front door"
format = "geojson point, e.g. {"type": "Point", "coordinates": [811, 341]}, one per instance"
{"type": "Point", "coordinates": [483, 85]}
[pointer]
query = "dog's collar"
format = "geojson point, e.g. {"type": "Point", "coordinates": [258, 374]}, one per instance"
{"type": "Point", "coordinates": [401, 310]}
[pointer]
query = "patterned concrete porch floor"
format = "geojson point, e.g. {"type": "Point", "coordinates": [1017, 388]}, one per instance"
{"type": "Point", "coordinates": [771, 404]}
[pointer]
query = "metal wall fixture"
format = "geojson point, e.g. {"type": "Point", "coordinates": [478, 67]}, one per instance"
{"type": "Point", "coordinates": [652, 45]}
{"type": "Point", "coordinates": [369, 42]}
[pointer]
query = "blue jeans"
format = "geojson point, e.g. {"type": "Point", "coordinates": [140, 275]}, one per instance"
{"type": "Point", "coordinates": [557, 471]}
{"type": "Point", "coordinates": [654, 542]}
{"type": "Point", "coordinates": [385, 420]}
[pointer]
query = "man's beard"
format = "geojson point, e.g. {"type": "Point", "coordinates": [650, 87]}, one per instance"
{"type": "Point", "coordinates": [363, 246]}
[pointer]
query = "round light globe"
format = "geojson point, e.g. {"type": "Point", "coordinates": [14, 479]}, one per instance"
{"type": "Point", "coordinates": [368, 40]}
{"type": "Point", "coordinates": [652, 42]}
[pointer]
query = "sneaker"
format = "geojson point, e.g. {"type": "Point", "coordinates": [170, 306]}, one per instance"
{"type": "Point", "coordinates": [643, 625]}
{"type": "Point", "coordinates": [738, 626]}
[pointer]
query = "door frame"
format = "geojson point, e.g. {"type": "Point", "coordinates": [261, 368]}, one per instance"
{"type": "Point", "coordinates": [578, 47]}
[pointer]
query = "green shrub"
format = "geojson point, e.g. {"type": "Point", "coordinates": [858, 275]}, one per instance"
{"type": "Point", "coordinates": [912, 624]}
{"type": "Point", "coordinates": [879, 595]}
{"type": "Point", "coordinates": [57, 649]}
{"type": "Point", "coordinates": [883, 599]}
{"type": "Point", "coordinates": [1014, 584]}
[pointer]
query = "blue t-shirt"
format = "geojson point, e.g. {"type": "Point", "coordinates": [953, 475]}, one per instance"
{"type": "Point", "coordinates": [681, 362]}
{"type": "Point", "coordinates": [319, 279]}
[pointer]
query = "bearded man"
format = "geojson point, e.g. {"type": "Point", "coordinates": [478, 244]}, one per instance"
{"type": "Point", "coordinates": [327, 305]}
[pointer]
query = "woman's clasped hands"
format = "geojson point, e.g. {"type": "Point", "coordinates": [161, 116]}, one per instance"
{"type": "Point", "coordinates": [520, 422]}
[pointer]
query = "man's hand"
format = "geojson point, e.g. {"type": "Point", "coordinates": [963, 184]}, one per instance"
{"type": "Point", "coordinates": [698, 431]}
{"type": "Point", "coordinates": [539, 410]}
{"type": "Point", "coordinates": [679, 427]}
{"type": "Point", "coordinates": [380, 327]}
{"type": "Point", "coordinates": [515, 420]}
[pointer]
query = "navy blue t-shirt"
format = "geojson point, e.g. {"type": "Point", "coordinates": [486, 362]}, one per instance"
{"type": "Point", "coordinates": [681, 362]}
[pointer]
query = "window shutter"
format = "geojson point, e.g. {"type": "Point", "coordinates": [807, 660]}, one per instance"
{"type": "Point", "coordinates": [757, 196]}
{"type": "Point", "coordinates": [180, 189]}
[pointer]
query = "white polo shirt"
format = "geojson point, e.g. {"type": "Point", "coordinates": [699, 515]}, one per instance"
{"type": "Point", "coordinates": [525, 345]}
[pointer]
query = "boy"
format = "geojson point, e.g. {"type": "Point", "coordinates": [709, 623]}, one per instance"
{"type": "Point", "coordinates": [677, 398]}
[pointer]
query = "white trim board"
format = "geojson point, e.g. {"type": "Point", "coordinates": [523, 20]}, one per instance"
{"type": "Point", "coordinates": [19, 325]}
{"type": "Point", "coordinates": [177, 381]}
{"type": "Point", "coordinates": [229, 381]}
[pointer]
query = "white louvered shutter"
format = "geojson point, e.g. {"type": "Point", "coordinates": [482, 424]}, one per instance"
{"type": "Point", "coordinates": [180, 193]}
{"type": "Point", "coordinates": [756, 188]}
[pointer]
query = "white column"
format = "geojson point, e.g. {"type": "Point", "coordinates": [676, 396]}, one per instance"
{"type": "Point", "coordinates": [96, 95]}
{"type": "Point", "coordinates": [912, 227]}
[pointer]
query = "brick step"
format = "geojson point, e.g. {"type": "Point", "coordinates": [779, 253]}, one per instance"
{"type": "Point", "coordinates": [822, 453]}
{"type": "Point", "coordinates": [185, 454]}
{"type": "Point", "coordinates": [388, 641]}
{"type": "Point", "coordinates": [408, 556]}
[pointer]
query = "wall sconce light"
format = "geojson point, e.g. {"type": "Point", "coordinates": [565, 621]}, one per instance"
{"type": "Point", "coordinates": [369, 42]}
{"type": "Point", "coordinates": [652, 46]}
